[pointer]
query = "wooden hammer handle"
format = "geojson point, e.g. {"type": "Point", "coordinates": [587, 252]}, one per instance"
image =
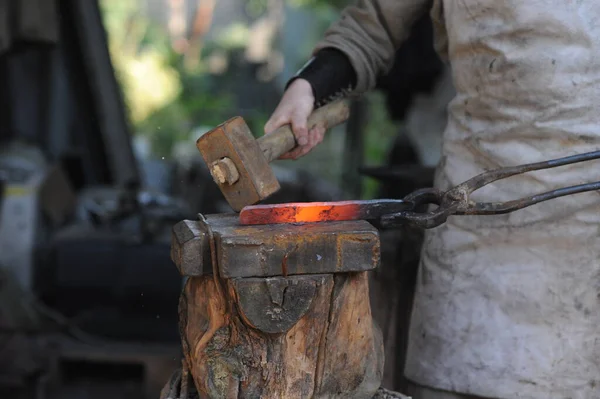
{"type": "Point", "coordinates": [282, 140]}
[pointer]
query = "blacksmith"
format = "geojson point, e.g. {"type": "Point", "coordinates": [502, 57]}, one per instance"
{"type": "Point", "coordinates": [506, 306]}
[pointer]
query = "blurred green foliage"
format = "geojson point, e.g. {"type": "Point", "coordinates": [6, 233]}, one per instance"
{"type": "Point", "coordinates": [319, 4]}
{"type": "Point", "coordinates": [167, 99]}
{"type": "Point", "coordinates": [380, 132]}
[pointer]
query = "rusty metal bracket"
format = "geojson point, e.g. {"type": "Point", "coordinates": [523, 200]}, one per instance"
{"type": "Point", "coordinates": [457, 201]}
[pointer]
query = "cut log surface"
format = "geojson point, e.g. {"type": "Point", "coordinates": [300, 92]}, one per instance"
{"type": "Point", "coordinates": [307, 336]}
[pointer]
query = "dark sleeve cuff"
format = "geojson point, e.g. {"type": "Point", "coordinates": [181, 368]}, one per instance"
{"type": "Point", "coordinates": [330, 75]}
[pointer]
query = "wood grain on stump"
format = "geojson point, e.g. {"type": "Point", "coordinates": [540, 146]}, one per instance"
{"type": "Point", "coordinates": [304, 336]}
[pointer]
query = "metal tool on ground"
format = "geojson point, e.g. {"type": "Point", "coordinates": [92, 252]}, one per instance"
{"type": "Point", "coordinates": [393, 213]}
{"type": "Point", "coordinates": [309, 212]}
{"type": "Point", "coordinates": [239, 163]}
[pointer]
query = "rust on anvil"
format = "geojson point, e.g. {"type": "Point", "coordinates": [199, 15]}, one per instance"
{"type": "Point", "coordinates": [289, 249]}
{"type": "Point", "coordinates": [311, 212]}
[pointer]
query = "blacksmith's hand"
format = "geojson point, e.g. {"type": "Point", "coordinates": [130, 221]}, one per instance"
{"type": "Point", "coordinates": [295, 107]}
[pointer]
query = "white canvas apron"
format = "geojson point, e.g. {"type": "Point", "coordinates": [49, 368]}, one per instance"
{"type": "Point", "coordinates": [509, 306]}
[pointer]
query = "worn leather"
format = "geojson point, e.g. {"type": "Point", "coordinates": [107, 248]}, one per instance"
{"type": "Point", "coordinates": [506, 306]}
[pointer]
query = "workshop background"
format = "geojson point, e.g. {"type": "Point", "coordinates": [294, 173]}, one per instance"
{"type": "Point", "coordinates": [101, 103]}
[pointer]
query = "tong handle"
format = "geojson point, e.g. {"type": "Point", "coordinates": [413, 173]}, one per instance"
{"type": "Point", "coordinates": [457, 202]}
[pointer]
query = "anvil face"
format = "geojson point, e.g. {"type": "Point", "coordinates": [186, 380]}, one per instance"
{"type": "Point", "coordinates": [275, 250]}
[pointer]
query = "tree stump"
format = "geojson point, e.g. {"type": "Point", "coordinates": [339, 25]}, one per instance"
{"type": "Point", "coordinates": [285, 312]}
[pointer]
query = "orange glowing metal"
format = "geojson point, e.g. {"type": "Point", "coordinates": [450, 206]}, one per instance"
{"type": "Point", "coordinates": [312, 212]}
{"type": "Point", "coordinates": [299, 213]}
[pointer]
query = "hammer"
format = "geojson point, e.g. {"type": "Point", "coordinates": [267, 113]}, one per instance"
{"type": "Point", "coordinates": [239, 163]}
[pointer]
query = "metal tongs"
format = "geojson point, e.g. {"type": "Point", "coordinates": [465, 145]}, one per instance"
{"type": "Point", "coordinates": [457, 201]}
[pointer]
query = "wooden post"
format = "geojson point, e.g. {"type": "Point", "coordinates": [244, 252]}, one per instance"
{"type": "Point", "coordinates": [294, 337]}
{"type": "Point", "coordinates": [285, 312]}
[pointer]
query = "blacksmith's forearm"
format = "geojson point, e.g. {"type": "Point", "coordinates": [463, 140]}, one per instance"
{"type": "Point", "coordinates": [369, 33]}
{"type": "Point", "coordinates": [330, 74]}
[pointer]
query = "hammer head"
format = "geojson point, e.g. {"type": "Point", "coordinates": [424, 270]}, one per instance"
{"type": "Point", "coordinates": [237, 164]}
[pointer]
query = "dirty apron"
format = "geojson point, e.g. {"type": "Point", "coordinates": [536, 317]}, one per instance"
{"type": "Point", "coordinates": [508, 306]}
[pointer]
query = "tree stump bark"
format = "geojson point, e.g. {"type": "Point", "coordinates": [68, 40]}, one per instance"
{"type": "Point", "coordinates": [305, 336]}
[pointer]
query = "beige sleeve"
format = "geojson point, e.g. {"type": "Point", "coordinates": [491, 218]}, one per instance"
{"type": "Point", "coordinates": [370, 32]}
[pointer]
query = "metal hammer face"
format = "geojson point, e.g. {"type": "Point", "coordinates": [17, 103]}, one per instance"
{"type": "Point", "coordinates": [237, 164]}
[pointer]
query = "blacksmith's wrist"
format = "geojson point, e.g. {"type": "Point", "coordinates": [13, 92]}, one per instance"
{"type": "Point", "coordinates": [330, 75]}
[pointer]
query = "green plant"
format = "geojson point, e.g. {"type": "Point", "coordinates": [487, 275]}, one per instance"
{"type": "Point", "coordinates": [164, 99]}
{"type": "Point", "coordinates": [380, 132]}
{"type": "Point", "coordinates": [319, 5]}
